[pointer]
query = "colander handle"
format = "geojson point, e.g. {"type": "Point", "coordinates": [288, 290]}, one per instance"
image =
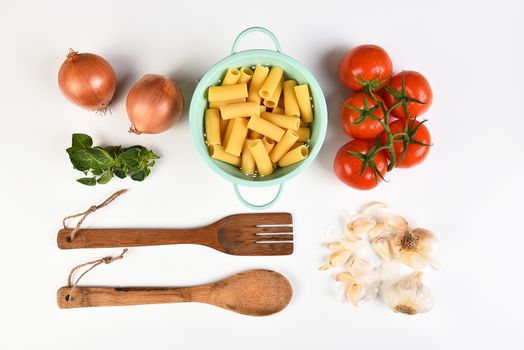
{"type": "Point", "coordinates": [262, 206]}
{"type": "Point", "coordinates": [251, 30]}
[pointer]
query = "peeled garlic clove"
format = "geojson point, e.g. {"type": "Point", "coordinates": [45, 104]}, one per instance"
{"type": "Point", "coordinates": [335, 246]}
{"type": "Point", "coordinates": [417, 248]}
{"type": "Point", "coordinates": [382, 247]}
{"type": "Point", "coordinates": [360, 269]}
{"type": "Point", "coordinates": [409, 295]}
{"type": "Point", "coordinates": [372, 206]}
{"type": "Point", "coordinates": [352, 236]}
{"type": "Point", "coordinates": [324, 267]}
{"type": "Point", "coordinates": [345, 277]}
{"type": "Point", "coordinates": [396, 223]}
{"type": "Point", "coordinates": [361, 224]}
{"type": "Point", "coordinates": [339, 257]}
{"type": "Point", "coordinates": [376, 231]}
{"type": "Point", "coordinates": [354, 293]}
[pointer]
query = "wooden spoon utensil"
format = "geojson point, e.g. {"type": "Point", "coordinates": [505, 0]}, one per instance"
{"type": "Point", "coordinates": [254, 293]}
{"type": "Point", "coordinates": [240, 234]}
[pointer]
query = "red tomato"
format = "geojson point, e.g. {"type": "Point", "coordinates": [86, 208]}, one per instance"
{"type": "Point", "coordinates": [416, 87]}
{"type": "Point", "coordinates": [348, 166]}
{"type": "Point", "coordinates": [416, 152]}
{"type": "Point", "coordinates": [354, 108]}
{"type": "Point", "coordinates": [369, 64]}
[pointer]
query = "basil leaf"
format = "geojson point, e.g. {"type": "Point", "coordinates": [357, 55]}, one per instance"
{"type": "Point", "coordinates": [99, 157]}
{"type": "Point", "coordinates": [131, 158]}
{"type": "Point", "coordinates": [105, 178]}
{"type": "Point", "coordinates": [88, 181]}
{"type": "Point", "coordinates": [139, 176]}
{"type": "Point", "coordinates": [112, 150]}
{"type": "Point", "coordinates": [82, 141]}
{"type": "Point", "coordinates": [120, 173]}
{"type": "Point", "coordinates": [81, 160]}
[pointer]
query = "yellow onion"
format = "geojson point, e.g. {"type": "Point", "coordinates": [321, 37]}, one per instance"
{"type": "Point", "coordinates": [87, 80]}
{"type": "Point", "coordinates": [153, 104]}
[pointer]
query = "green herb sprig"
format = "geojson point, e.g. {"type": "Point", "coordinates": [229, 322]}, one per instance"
{"type": "Point", "coordinates": [100, 164]}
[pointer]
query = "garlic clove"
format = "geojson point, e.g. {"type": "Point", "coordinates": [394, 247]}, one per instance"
{"type": "Point", "coordinates": [417, 248]}
{"type": "Point", "coordinates": [372, 206]}
{"type": "Point", "coordinates": [396, 223]}
{"type": "Point", "coordinates": [354, 293]}
{"type": "Point", "coordinates": [345, 277]}
{"type": "Point", "coordinates": [335, 245]}
{"type": "Point", "coordinates": [339, 257]}
{"type": "Point", "coordinates": [352, 236]}
{"type": "Point", "coordinates": [361, 224]}
{"type": "Point", "coordinates": [324, 267]}
{"type": "Point", "coordinates": [382, 247]}
{"type": "Point", "coordinates": [360, 269]}
{"type": "Point", "coordinates": [376, 231]}
{"type": "Point", "coordinates": [409, 295]}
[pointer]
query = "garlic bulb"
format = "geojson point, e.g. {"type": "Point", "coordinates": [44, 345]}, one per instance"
{"type": "Point", "coordinates": [409, 295]}
{"type": "Point", "coordinates": [417, 248]}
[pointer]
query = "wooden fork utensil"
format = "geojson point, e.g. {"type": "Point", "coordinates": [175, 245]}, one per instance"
{"type": "Point", "coordinates": [240, 234]}
{"type": "Point", "coordinates": [254, 293]}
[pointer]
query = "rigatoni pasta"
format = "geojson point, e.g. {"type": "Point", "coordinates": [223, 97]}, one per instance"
{"type": "Point", "coordinates": [262, 160]}
{"type": "Point", "coordinates": [294, 156]}
{"type": "Point", "coordinates": [284, 121]}
{"type": "Point", "coordinates": [231, 77]}
{"type": "Point", "coordinates": [237, 137]}
{"type": "Point", "coordinates": [259, 77]}
{"type": "Point", "coordinates": [242, 109]}
{"type": "Point", "coordinates": [246, 74]}
{"type": "Point", "coordinates": [247, 163]}
{"type": "Point", "coordinates": [271, 84]}
{"type": "Point", "coordinates": [304, 102]}
{"type": "Point", "coordinates": [212, 126]}
{"type": "Point", "coordinates": [229, 92]}
{"type": "Point", "coordinates": [217, 152]}
{"type": "Point", "coordinates": [282, 147]}
{"type": "Point", "coordinates": [290, 98]}
{"type": "Point", "coordinates": [265, 128]}
{"type": "Point", "coordinates": [258, 120]}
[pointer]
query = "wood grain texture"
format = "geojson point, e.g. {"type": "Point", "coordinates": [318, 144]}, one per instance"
{"type": "Point", "coordinates": [253, 292]}
{"type": "Point", "coordinates": [240, 234]}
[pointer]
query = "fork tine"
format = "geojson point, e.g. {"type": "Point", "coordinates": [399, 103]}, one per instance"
{"type": "Point", "coordinates": [274, 229]}
{"type": "Point", "coordinates": [273, 238]}
{"type": "Point", "coordinates": [273, 249]}
{"type": "Point", "coordinates": [265, 219]}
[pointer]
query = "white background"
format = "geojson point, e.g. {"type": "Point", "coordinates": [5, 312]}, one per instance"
{"type": "Point", "coordinates": [468, 191]}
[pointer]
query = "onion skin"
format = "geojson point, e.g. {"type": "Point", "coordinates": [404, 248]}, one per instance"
{"type": "Point", "coordinates": [154, 104]}
{"type": "Point", "coordinates": [87, 80]}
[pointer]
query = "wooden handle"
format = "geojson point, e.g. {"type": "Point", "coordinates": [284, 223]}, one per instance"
{"type": "Point", "coordinates": [109, 238]}
{"type": "Point", "coordinates": [97, 296]}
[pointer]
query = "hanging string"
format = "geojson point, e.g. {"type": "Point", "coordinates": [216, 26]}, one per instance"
{"type": "Point", "coordinates": [94, 263]}
{"type": "Point", "coordinates": [91, 209]}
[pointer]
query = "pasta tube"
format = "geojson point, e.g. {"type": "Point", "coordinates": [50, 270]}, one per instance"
{"type": "Point", "coordinates": [270, 85]}
{"type": "Point", "coordinates": [294, 156]}
{"type": "Point", "coordinates": [282, 147]}
{"type": "Point", "coordinates": [212, 126]}
{"type": "Point", "coordinates": [304, 102]}
{"type": "Point", "coordinates": [217, 152]}
{"type": "Point", "coordinates": [290, 98]}
{"type": "Point", "coordinates": [259, 77]}
{"type": "Point", "coordinates": [284, 121]}
{"type": "Point", "coordinates": [248, 164]}
{"type": "Point", "coordinates": [261, 157]}
{"type": "Point", "coordinates": [265, 128]}
{"type": "Point", "coordinates": [231, 77]}
{"type": "Point", "coordinates": [242, 109]}
{"type": "Point", "coordinates": [229, 92]}
{"type": "Point", "coordinates": [245, 75]}
{"type": "Point", "coordinates": [238, 136]}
